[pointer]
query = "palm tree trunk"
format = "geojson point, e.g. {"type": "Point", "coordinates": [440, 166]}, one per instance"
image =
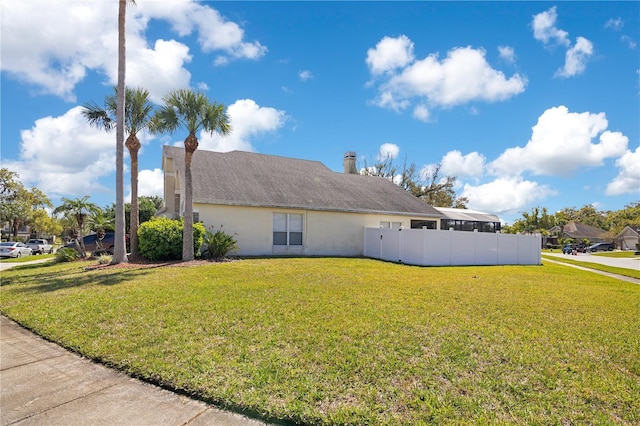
{"type": "Point", "coordinates": [187, 234]}
{"type": "Point", "coordinates": [119, 249]}
{"type": "Point", "coordinates": [80, 238]}
{"type": "Point", "coordinates": [133, 144]}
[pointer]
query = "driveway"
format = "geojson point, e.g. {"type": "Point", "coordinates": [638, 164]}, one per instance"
{"type": "Point", "coordinates": [7, 265]}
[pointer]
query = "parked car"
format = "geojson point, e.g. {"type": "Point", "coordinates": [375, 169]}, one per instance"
{"type": "Point", "coordinates": [40, 246]}
{"type": "Point", "coordinates": [570, 248]}
{"type": "Point", "coordinates": [601, 246]}
{"type": "Point", "coordinates": [95, 247]}
{"type": "Point", "coordinates": [14, 249]}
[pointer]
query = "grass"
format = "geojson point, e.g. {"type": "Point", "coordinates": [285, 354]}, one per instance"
{"type": "Point", "coordinates": [633, 273]}
{"type": "Point", "coordinates": [624, 254]}
{"type": "Point", "coordinates": [354, 341]}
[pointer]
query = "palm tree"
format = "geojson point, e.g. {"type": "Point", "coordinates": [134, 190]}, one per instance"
{"type": "Point", "coordinates": [137, 117]}
{"type": "Point", "coordinates": [193, 111]}
{"type": "Point", "coordinates": [100, 222]}
{"type": "Point", "coordinates": [119, 247]}
{"type": "Point", "coordinates": [78, 208]}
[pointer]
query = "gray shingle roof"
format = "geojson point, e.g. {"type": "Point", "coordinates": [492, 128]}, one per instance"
{"type": "Point", "coordinates": [250, 179]}
{"type": "Point", "coordinates": [579, 230]}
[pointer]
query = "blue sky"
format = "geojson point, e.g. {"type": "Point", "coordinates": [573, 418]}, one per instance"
{"type": "Point", "coordinates": [527, 103]}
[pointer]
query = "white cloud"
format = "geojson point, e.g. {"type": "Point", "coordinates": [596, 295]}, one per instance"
{"type": "Point", "coordinates": [388, 150]}
{"type": "Point", "coordinates": [507, 54]}
{"type": "Point", "coordinates": [64, 155]}
{"type": "Point", "coordinates": [463, 76]}
{"type": "Point", "coordinates": [562, 142]}
{"type": "Point", "coordinates": [247, 120]}
{"type": "Point", "coordinates": [631, 43]}
{"type": "Point", "coordinates": [576, 58]}
{"type": "Point", "coordinates": [389, 54]}
{"type": "Point", "coordinates": [150, 183]}
{"type": "Point", "coordinates": [159, 70]}
{"type": "Point", "coordinates": [456, 164]}
{"type": "Point", "coordinates": [421, 112]}
{"type": "Point", "coordinates": [505, 195]}
{"type": "Point", "coordinates": [614, 24]}
{"type": "Point", "coordinates": [628, 179]}
{"type": "Point", "coordinates": [545, 30]}
{"type": "Point", "coordinates": [215, 33]}
{"type": "Point", "coordinates": [55, 60]}
{"type": "Point", "coordinates": [305, 75]}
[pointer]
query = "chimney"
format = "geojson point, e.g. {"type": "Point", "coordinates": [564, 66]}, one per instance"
{"type": "Point", "coordinates": [350, 163]}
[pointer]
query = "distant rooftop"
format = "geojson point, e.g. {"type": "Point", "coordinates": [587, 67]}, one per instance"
{"type": "Point", "coordinates": [465, 214]}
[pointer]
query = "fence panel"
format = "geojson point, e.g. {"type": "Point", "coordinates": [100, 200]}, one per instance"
{"type": "Point", "coordinates": [437, 248]}
{"type": "Point", "coordinates": [412, 247]}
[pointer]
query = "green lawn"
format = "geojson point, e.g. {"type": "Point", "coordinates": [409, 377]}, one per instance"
{"type": "Point", "coordinates": [355, 341]}
{"type": "Point", "coordinates": [625, 254]}
{"type": "Point", "coordinates": [633, 273]}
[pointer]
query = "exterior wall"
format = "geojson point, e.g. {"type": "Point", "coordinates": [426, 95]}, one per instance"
{"type": "Point", "coordinates": [627, 239]}
{"type": "Point", "coordinates": [324, 233]}
{"type": "Point", "coordinates": [171, 187]}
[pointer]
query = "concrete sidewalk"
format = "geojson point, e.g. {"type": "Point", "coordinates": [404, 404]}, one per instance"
{"type": "Point", "coordinates": [42, 383]}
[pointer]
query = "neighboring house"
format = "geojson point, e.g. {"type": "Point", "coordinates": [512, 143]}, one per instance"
{"type": "Point", "coordinates": [579, 232]}
{"type": "Point", "coordinates": [24, 233]}
{"type": "Point", "coordinates": [628, 238]}
{"type": "Point", "coordinates": [285, 206]}
{"type": "Point", "coordinates": [468, 220]}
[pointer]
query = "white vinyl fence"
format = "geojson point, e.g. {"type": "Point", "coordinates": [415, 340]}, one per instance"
{"type": "Point", "coordinates": [440, 248]}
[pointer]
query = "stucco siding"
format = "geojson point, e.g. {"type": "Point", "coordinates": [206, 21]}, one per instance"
{"type": "Point", "coordinates": [324, 233]}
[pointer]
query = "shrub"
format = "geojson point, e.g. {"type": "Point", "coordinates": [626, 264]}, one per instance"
{"type": "Point", "coordinates": [161, 238]}
{"type": "Point", "coordinates": [66, 254]}
{"type": "Point", "coordinates": [104, 259]}
{"type": "Point", "coordinates": [218, 244]}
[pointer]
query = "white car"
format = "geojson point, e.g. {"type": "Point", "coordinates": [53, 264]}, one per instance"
{"type": "Point", "coordinates": [13, 249]}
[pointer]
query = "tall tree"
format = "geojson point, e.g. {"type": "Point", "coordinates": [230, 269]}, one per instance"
{"type": "Point", "coordinates": [193, 111]}
{"type": "Point", "coordinates": [20, 206]}
{"type": "Point", "coordinates": [78, 208]}
{"type": "Point", "coordinates": [138, 112]}
{"type": "Point", "coordinates": [427, 184]}
{"type": "Point", "coordinates": [119, 245]}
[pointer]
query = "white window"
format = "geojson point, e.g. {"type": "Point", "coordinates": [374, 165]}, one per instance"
{"type": "Point", "coordinates": [287, 229]}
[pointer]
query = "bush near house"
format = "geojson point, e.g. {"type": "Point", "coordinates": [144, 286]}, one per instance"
{"type": "Point", "coordinates": [218, 244]}
{"type": "Point", "coordinates": [161, 238]}
{"type": "Point", "coordinates": [65, 254]}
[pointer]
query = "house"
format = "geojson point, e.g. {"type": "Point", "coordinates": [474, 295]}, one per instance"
{"type": "Point", "coordinates": [24, 233]}
{"type": "Point", "coordinates": [285, 206]}
{"type": "Point", "coordinates": [580, 232]}
{"type": "Point", "coordinates": [628, 238]}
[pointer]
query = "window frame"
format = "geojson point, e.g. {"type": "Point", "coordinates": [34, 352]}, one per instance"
{"type": "Point", "coordinates": [288, 231]}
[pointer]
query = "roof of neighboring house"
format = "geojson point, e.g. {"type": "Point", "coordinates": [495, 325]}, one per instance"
{"type": "Point", "coordinates": [249, 179]}
{"type": "Point", "coordinates": [580, 230]}
{"type": "Point", "coordinates": [466, 214]}
{"type": "Point", "coordinates": [629, 232]}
